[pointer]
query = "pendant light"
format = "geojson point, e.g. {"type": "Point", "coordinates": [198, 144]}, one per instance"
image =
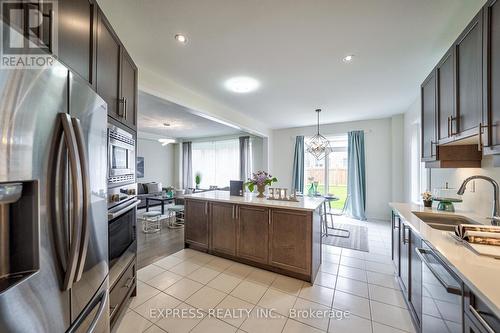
{"type": "Point", "coordinates": [318, 145]}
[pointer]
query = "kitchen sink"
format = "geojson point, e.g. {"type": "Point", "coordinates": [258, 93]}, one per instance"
{"type": "Point", "coordinates": [443, 221]}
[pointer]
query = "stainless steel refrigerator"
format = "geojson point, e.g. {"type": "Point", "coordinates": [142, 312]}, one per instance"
{"type": "Point", "coordinates": [53, 212]}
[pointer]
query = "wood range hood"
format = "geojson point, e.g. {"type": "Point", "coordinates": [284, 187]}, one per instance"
{"type": "Point", "coordinates": [466, 153]}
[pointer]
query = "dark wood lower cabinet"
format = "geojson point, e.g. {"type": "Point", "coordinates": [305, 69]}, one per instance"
{"type": "Point", "coordinates": [196, 223]}
{"type": "Point", "coordinates": [253, 232]}
{"type": "Point", "coordinates": [290, 241]}
{"type": "Point", "coordinates": [470, 327]}
{"type": "Point", "coordinates": [448, 303]}
{"type": "Point", "coordinates": [285, 241]}
{"type": "Point", "coordinates": [395, 241]}
{"type": "Point", "coordinates": [415, 296]}
{"type": "Point", "coordinates": [121, 291]}
{"type": "Point", "coordinates": [223, 225]}
{"type": "Point", "coordinates": [404, 257]}
{"type": "Point", "coordinates": [479, 315]}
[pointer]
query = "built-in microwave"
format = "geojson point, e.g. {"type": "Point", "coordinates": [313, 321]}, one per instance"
{"type": "Point", "coordinates": [121, 155]}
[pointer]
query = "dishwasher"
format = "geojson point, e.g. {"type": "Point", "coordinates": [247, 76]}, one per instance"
{"type": "Point", "coordinates": [442, 294]}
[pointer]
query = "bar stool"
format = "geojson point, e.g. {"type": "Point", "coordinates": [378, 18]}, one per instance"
{"type": "Point", "coordinates": [150, 222]}
{"type": "Point", "coordinates": [176, 216]}
{"type": "Point", "coordinates": [326, 213]}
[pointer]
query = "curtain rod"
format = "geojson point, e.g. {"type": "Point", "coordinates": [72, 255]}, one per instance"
{"type": "Point", "coordinates": [368, 131]}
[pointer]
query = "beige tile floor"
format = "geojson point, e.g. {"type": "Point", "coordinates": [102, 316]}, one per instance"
{"type": "Point", "coordinates": [193, 282]}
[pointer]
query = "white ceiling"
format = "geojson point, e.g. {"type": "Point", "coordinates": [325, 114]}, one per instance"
{"type": "Point", "coordinates": [294, 48]}
{"type": "Point", "coordinates": [154, 112]}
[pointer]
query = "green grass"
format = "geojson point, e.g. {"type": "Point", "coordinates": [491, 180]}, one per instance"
{"type": "Point", "coordinates": [339, 191]}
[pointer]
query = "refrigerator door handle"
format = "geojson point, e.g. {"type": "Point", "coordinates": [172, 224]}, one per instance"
{"type": "Point", "coordinates": [102, 300]}
{"type": "Point", "coordinates": [80, 142]}
{"type": "Point", "coordinates": [100, 311]}
{"type": "Point", "coordinates": [75, 205]}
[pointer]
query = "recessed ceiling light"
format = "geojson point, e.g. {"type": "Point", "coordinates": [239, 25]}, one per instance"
{"type": "Point", "coordinates": [181, 38]}
{"type": "Point", "coordinates": [242, 84]}
{"type": "Point", "coordinates": [165, 142]}
{"type": "Point", "coordinates": [348, 58]}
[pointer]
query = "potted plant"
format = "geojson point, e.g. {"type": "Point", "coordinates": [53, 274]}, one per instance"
{"type": "Point", "coordinates": [260, 179]}
{"type": "Point", "coordinates": [427, 199]}
{"type": "Point", "coordinates": [197, 180]}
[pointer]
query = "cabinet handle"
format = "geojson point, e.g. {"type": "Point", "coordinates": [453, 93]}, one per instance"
{"type": "Point", "coordinates": [433, 143]}
{"type": "Point", "coordinates": [405, 240]}
{"type": "Point", "coordinates": [452, 119]}
{"type": "Point", "coordinates": [449, 126]}
{"type": "Point", "coordinates": [121, 111]}
{"type": "Point", "coordinates": [125, 108]}
{"type": "Point", "coordinates": [480, 144]}
{"type": "Point", "coordinates": [129, 282]}
{"type": "Point", "coordinates": [480, 319]}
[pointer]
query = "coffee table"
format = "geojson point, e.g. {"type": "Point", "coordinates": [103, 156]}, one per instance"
{"type": "Point", "coordinates": [162, 200]}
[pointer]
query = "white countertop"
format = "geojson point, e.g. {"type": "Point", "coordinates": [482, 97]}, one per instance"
{"type": "Point", "coordinates": [480, 273]}
{"type": "Point", "coordinates": [305, 203]}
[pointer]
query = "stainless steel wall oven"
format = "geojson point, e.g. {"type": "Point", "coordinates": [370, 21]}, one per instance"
{"type": "Point", "coordinates": [121, 155]}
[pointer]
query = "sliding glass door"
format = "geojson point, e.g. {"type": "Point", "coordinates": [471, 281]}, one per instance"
{"type": "Point", "coordinates": [330, 172]}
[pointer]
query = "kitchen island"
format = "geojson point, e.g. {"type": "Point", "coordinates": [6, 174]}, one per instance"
{"type": "Point", "coordinates": [280, 236]}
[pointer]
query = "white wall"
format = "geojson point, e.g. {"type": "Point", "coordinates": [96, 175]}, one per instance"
{"type": "Point", "coordinates": [480, 201]}
{"type": "Point", "coordinates": [383, 177]}
{"type": "Point", "coordinates": [411, 118]}
{"type": "Point", "coordinates": [158, 162]}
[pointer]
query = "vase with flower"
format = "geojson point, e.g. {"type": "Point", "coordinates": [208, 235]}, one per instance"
{"type": "Point", "coordinates": [260, 180]}
{"type": "Point", "coordinates": [427, 199]}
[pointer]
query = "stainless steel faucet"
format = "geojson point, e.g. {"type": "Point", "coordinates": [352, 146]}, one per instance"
{"type": "Point", "coordinates": [495, 219]}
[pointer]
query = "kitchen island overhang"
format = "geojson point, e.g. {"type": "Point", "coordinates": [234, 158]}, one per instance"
{"type": "Point", "coordinates": [279, 236]}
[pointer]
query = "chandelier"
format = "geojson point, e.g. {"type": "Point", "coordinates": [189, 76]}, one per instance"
{"type": "Point", "coordinates": [318, 145]}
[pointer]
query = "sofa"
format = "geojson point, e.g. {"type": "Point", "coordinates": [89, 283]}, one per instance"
{"type": "Point", "coordinates": [145, 190]}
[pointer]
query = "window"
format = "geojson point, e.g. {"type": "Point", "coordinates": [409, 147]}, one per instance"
{"type": "Point", "coordinates": [331, 170]}
{"type": "Point", "coordinates": [217, 162]}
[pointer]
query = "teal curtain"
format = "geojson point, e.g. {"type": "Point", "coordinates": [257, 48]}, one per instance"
{"type": "Point", "coordinates": [356, 178]}
{"type": "Point", "coordinates": [298, 165]}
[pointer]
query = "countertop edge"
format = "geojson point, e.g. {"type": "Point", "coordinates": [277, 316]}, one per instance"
{"type": "Point", "coordinates": [494, 307]}
{"type": "Point", "coordinates": [268, 203]}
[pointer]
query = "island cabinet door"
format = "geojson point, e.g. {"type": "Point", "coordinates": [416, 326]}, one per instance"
{"type": "Point", "coordinates": [223, 228]}
{"type": "Point", "coordinates": [290, 240]}
{"type": "Point", "coordinates": [253, 233]}
{"type": "Point", "coordinates": [196, 223]}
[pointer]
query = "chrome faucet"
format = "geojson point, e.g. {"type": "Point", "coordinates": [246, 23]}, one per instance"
{"type": "Point", "coordinates": [495, 219]}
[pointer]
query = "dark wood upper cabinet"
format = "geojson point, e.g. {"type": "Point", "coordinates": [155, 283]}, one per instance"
{"type": "Point", "coordinates": [469, 77]}
{"type": "Point", "coordinates": [253, 233]}
{"type": "Point", "coordinates": [128, 98]}
{"type": "Point", "coordinates": [116, 75]}
{"type": "Point", "coordinates": [223, 227]}
{"type": "Point", "coordinates": [446, 115]}
{"type": "Point", "coordinates": [428, 96]}
{"type": "Point", "coordinates": [76, 42]}
{"type": "Point", "coordinates": [289, 240]}
{"type": "Point", "coordinates": [196, 223]}
{"type": "Point", "coordinates": [108, 65]}
{"type": "Point", "coordinates": [492, 76]}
